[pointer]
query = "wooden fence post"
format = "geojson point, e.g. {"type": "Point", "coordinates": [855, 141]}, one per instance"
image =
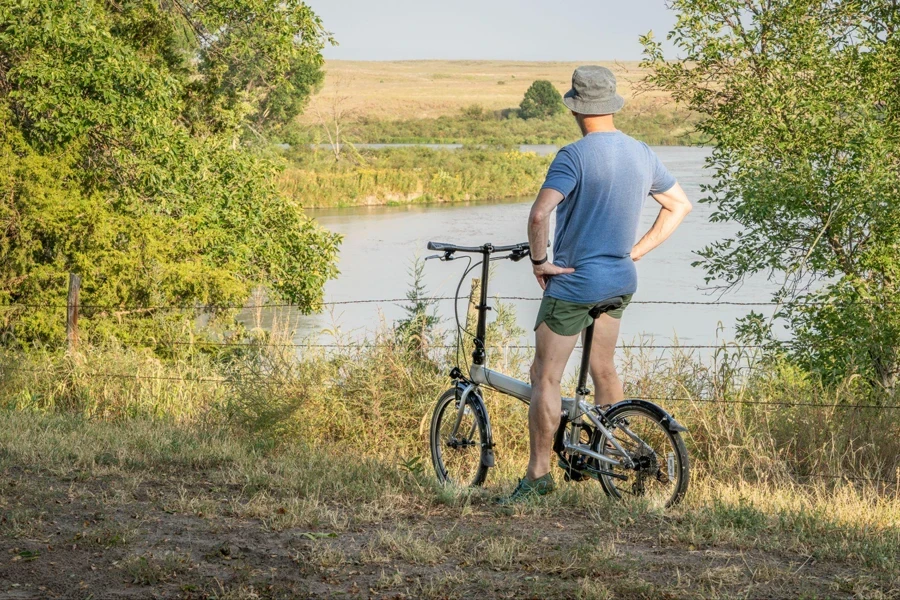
{"type": "Point", "coordinates": [72, 311]}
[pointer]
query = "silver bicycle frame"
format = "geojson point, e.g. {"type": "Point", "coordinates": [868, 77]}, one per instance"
{"type": "Point", "coordinates": [574, 408]}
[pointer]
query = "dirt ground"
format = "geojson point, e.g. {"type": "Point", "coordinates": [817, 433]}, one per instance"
{"type": "Point", "coordinates": [67, 536]}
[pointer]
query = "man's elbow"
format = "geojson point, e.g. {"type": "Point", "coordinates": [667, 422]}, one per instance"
{"type": "Point", "coordinates": [537, 218]}
{"type": "Point", "coordinates": [687, 207]}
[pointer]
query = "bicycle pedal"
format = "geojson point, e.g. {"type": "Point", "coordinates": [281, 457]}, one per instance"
{"type": "Point", "coordinates": [570, 473]}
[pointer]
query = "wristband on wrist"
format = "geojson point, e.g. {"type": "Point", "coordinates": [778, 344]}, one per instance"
{"type": "Point", "coordinates": [538, 262]}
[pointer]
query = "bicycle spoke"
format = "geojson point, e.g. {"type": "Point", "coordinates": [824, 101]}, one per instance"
{"type": "Point", "coordinates": [459, 447]}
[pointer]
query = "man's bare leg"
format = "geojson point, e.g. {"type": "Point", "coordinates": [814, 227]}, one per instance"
{"type": "Point", "coordinates": [607, 385]}
{"type": "Point", "coordinates": [551, 354]}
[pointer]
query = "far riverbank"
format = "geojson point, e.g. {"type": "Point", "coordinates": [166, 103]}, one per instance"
{"type": "Point", "coordinates": [403, 174]}
{"type": "Point", "coordinates": [390, 175]}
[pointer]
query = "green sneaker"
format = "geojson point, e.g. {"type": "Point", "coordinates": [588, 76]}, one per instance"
{"type": "Point", "coordinates": [529, 489]}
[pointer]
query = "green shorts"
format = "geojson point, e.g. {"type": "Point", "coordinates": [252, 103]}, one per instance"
{"type": "Point", "coordinates": [568, 318]}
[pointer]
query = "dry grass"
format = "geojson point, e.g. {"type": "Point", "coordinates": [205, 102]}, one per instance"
{"type": "Point", "coordinates": [202, 526]}
{"type": "Point", "coordinates": [434, 88]}
{"type": "Point", "coordinates": [316, 482]}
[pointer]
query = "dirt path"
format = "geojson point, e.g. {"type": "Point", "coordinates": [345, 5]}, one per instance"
{"type": "Point", "coordinates": [149, 537]}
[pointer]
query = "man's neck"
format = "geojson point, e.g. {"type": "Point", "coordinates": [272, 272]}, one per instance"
{"type": "Point", "coordinates": [596, 123]}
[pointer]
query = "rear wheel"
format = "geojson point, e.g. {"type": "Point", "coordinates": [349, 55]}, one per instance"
{"type": "Point", "coordinates": [456, 449]}
{"type": "Point", "coordinates": [661, 470]}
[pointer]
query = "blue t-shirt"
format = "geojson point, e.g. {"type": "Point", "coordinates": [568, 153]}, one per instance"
{"type": "Point", "coordinates": [605, 177]}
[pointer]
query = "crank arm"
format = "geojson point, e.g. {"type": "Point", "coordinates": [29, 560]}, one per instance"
{"type": "Point", "coordinates": [590, 471]}
{"type": "Point", "coordinates": [595, 472]}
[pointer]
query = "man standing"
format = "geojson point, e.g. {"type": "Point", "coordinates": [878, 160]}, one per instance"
{"type": "Point", "coordinates": [597, 186]}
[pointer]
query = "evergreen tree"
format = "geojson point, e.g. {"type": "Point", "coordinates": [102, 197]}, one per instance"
{"type": "Point", "coordinates": [541, 101]}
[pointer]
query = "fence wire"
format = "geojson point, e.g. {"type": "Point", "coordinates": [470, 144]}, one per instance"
{"type": "Point", "coordinates": [219, 307]}
{"type": "Point", "coordinates": [355, 344]}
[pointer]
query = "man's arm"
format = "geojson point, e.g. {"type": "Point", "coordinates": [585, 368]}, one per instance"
{"type": "Point", "coordinates": [539, 234]}
{"type": "Point", "coordinates": [674, 208]}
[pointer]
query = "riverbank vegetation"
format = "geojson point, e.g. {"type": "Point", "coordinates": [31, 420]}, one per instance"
{"type": "Point", "coordinates": [314, 179]}
{"type": "Point", "coordinates": [655, 125]}
{"type": "Point", "coordinates": [299, 470]}
{"type": "Point", "coordinates": [475, 125]}
{"type": "Point", "coordinates": [491, 168]}
{"type": "Point", "coordinates": [325, 168]}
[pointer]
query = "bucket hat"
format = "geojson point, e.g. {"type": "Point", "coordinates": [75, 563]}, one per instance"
{"type": "Point", "coordinates": [593, 92]}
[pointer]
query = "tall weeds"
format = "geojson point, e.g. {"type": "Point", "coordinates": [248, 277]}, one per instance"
{"type": "Point", "coordinates": [374, 398]}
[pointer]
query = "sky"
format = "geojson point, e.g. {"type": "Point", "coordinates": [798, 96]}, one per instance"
{"type": "Point", "coordinates": [570, 30]}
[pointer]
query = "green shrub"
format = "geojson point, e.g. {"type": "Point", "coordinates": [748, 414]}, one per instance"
{"type": "Point", "coordinates": [541, 101]}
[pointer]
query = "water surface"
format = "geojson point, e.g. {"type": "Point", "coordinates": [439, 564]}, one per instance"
{"type": "Point", "coordinates": [380, 244]}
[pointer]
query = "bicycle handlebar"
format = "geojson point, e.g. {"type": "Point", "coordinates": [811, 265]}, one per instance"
{"type": "Point", "coordinates": [484, 249]}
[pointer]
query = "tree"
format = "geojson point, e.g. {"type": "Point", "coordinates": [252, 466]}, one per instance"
{"type": "Point", "coordinates": [123, 158]}
{"type": "Point", "coordinates": [800, 99]}
{"type": "Point", "coordinates": [335, 118]}
{"type": "Point", "coordinates": [541, 101]}
{"type": "Point", "coordinates": [416, 329]}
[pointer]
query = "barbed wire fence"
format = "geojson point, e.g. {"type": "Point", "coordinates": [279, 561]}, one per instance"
{"type": "Point", "coordinates": [267, 305]}
{"type": "Point", "coordinates": [74, 307]}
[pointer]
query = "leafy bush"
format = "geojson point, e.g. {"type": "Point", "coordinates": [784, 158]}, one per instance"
{"type": "Point", "coordinates": [801, 98]}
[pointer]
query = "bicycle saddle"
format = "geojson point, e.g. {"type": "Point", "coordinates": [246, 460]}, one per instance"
{"type": "Point", "coordinates": [604, 306]}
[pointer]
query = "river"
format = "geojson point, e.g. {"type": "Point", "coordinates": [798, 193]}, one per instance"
{"type": "Point", "coordinates": [380, 244]}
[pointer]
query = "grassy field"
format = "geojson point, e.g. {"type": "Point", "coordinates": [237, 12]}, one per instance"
{"type": "Point", "coordinates": [426, 89]}
{"type": "Point", "coordinates": [243, 472]}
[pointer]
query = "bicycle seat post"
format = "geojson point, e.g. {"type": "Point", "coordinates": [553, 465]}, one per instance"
{"type": "Point", "coordinates": [582, 391]}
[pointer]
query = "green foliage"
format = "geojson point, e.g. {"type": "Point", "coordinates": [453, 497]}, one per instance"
{"type": "Point", "coordinates": [258, 60]}
{"type": "Point", "coordinates": [121, 129]}
{"type": "Point", "coordinates": [541, 101]}
{"type": "Point", "coordinates": [801, 98]}
{"type": "Point", "coordinates": [655, 125]}
{"type": "Point", "coordinates": [410, 175]}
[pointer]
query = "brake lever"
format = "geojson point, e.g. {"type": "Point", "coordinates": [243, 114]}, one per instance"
{"type": "Point", "coordinates": [448, 255]}
{"type": "Point", "coordinates": [517, 255]}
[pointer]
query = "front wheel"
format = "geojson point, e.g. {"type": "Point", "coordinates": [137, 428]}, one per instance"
{"type": "Point", "coordinates": [661, 472]}
{"type": "Point", "coordinates": [457, 441]}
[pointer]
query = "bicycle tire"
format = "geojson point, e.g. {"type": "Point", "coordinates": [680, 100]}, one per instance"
{"type": "Point", "coordinates": [445, 413]}
{"type": "Point", "coordinates": [676, 453]}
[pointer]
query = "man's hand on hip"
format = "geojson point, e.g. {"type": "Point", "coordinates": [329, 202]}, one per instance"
{"type": "Point", "coordinates": [545, 271]}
